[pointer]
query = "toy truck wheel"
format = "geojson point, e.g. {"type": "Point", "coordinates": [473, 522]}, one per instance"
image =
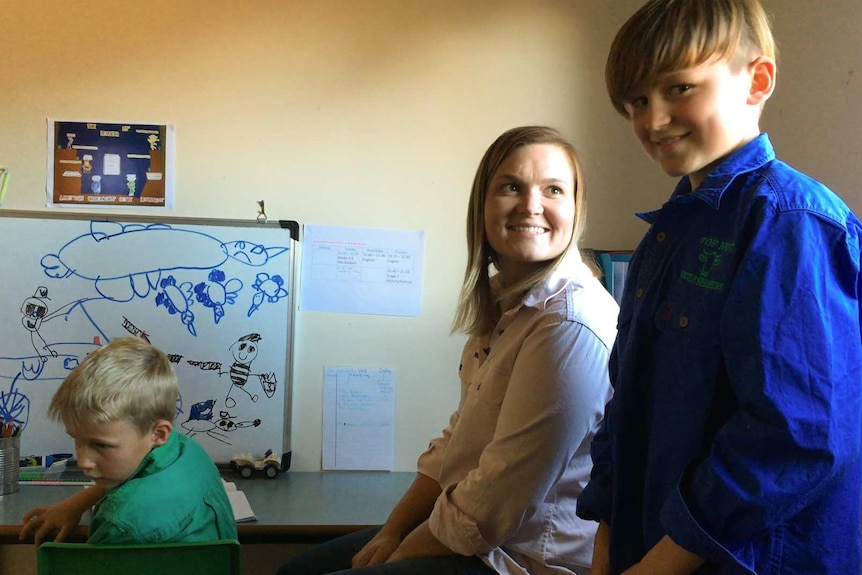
{"type": "Point", "coordinates": [245, 471]}
{"type": "Point", "coordinates": [271, 471]}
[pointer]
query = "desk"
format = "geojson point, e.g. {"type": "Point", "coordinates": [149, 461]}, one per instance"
{"type": "Point", "coordinates": [295, 507]}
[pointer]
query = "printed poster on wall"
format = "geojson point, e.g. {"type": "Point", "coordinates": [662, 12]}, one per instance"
{"type": "Point", "coordinates": [93, 164]}
{"type": "Point", "coordinates": [362, 270]}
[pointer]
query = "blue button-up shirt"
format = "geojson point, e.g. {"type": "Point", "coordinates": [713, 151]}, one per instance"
{"type": "Point", "coordinates": [736, 422]}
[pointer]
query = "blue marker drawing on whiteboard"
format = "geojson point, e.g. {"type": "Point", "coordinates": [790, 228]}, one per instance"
{"type": "Point", "coordinates": [106, 277]}
{"type": "Point", "coordinates": [268, 289]}
{"type": "Point", "coordinates": [164, 255]}
{"type": "Point", "coordinates": [14, 405]}
{"type": "Point", "coordinates": [216, 292]}
{"type": "Point", "coordinates": [178, 299]}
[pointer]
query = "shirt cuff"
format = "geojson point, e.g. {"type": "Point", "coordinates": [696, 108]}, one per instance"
{"type": "Point", "coordinates": [455, 529]}
{"type": "Point", "coordinates": [681, 526]}
{"type": "Point", "coordinates": [593, 504]}
{"type": "Point", "coordinates": [430, 462]}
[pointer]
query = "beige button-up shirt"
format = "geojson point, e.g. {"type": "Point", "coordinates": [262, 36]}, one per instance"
{"type": "Point", "coordinates": [516, 453]}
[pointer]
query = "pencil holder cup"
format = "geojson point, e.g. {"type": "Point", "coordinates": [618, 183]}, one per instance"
{"type": "Point", "coordinates": [10, 450]}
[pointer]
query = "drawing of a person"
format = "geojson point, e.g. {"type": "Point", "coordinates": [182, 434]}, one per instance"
{"type": "Point", "coordinates": [244, 352]}
{"type": "Point", "coordinates": [35, 311]}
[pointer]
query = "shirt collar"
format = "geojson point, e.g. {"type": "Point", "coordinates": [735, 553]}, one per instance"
{"type": "Point", "coordinates": [748, 158]}
{"type": "Point", "coordinates": [160, 457]}
{"type": "Point", "coordinates": [571, 270]}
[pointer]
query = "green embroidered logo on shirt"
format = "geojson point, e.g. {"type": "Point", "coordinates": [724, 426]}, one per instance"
{"type": "Point", "coordinates": [712, 252]}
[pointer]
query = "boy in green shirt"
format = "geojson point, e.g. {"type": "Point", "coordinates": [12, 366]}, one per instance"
{"type": "Point", "coordinates": [152, 485]}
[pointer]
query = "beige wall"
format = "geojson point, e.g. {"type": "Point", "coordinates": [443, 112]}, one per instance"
{"type": "Point", "coordinates": [375, 113]}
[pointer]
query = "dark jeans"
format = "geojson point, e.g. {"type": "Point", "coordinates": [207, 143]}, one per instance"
{"type": "Point", "coordinates": [334, 557]}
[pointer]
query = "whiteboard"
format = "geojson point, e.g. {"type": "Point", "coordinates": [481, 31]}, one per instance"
{"type": "Point", "coordinates": [216, 295]}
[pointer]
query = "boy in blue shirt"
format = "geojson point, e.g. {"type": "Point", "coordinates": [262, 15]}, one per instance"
{"type": "Point", "coordinates": [732, 442]}
{"type": "Point", "coordinates": [152, 485]}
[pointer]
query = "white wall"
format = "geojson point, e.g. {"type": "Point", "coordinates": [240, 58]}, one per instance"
{"type": "Point", "coordinates": [815, 116]}
{"type": "Point", "coordinates": [375, 113]}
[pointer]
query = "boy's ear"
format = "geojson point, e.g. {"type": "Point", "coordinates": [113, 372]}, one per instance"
{"type": "Point", "coordinates": [161, 432]}
{"type": "Point", "coordinates": [762, 71]}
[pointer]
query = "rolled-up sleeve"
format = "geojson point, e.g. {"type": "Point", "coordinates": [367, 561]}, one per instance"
{"type": "Point", "coordinates": [432, 459]}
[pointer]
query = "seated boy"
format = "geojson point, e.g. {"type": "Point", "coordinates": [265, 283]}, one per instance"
{"type": "Point", "coordinates": [733, 442]}
{"type": "Point", "coordinates": [152, 485]}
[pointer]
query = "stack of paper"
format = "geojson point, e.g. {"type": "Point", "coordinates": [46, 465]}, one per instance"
{"type": "Point", "coordinates": [239, 502]}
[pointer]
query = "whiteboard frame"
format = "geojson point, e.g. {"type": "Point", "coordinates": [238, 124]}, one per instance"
{"type": "Point", "coordinates": [291, 226]}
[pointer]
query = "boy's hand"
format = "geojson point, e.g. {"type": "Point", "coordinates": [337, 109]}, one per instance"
{"type": "Point", "coordinates": [601, 551]}
{"type": "Point", "coordinates": [42, 522]}
{"type": "Point", "coordinates": [60, 519]}
{"type": "Point", "coordinates": [666, 558]}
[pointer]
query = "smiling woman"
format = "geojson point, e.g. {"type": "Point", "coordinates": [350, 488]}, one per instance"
{"type": "Point", "coordinates": [529, 163]}
{"type": "Point", "coordinates": [496, 492]}
{"type": "Point", "coordinates": [529, 209]}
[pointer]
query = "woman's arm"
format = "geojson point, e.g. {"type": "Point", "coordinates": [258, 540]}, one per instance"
{"type": "Point", "coordinates": [549, 405]}
{"type": "Point", "coordinates": [420, 543]}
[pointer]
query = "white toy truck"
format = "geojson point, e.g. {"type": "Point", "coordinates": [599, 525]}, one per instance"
{"type": "Point", "coordinates": [247, 464]}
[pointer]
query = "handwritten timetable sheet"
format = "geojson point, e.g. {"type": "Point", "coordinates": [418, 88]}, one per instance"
{"type": "Point", "coordinates": [362, 270]}
{"type": "Point", "coordinates": [359, 418]}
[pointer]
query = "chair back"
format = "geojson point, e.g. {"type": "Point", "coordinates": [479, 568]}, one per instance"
{"type": "Point", "coordinates": [199, 558]}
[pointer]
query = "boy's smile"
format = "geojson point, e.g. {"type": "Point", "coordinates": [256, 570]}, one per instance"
{"type": "Point", "coordinates": [689, 120]}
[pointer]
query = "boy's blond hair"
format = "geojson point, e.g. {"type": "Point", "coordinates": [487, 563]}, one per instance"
{"type": "Point", "coordinates": [478, 308]}
{"type": "Point", "coordinates": [126, 380]}
{"type": "Point", "coordinates": [669, 35]}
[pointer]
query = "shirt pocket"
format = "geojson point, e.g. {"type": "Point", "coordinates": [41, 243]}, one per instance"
{"type": "Point", "coordinates": [490, 383]}
{"type": "Point", "coordinates": [687, 355]}
{"type": "Point", "coordinates": [688, 317]}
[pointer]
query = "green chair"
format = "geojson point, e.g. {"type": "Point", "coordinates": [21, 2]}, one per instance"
{"type": "Point", "coordinates": [203, 558]}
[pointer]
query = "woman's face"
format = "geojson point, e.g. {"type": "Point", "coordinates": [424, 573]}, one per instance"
{"type": "Point", "coordinates": [530, 209]}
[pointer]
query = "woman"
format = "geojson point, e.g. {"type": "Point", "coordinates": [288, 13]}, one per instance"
{"type": "Point", "coordinates": [496, 493]}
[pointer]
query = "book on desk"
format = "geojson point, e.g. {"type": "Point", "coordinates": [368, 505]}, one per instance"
{"type": "Point", "coordinates": [242, 511]}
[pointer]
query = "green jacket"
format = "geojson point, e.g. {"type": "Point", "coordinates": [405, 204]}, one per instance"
{"type": "Point", "coordinates": [176, 495]}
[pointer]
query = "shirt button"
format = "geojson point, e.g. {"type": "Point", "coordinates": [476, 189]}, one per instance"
{"type": "Point", "coordinates": [639, 292]}
{"type": "Point", "coordinates": [660, 237]}
{"type": "Point", "coordinates": [683, 321]}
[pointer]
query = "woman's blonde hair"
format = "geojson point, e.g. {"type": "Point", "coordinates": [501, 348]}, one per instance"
{"type": "Point", "coordinates": [478, 307]}
{"type": "Point", "coordinates": [669, 35]}
{"type": "Point", "coordinates": [126, 380]}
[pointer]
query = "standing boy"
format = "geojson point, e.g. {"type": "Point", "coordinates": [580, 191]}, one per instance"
{"type": "Point", "coordinates": [732, 442]}
{"type": "Point", "coordinates": [152, 485]}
